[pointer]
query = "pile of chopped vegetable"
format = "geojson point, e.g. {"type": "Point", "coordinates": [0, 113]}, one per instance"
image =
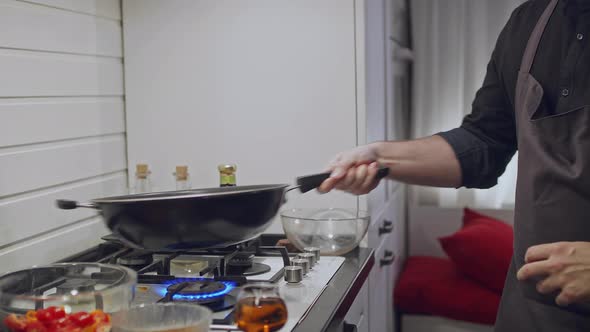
{"type": "Point", "coordinates": [55, 319]}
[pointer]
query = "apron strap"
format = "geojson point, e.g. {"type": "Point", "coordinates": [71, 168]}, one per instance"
{"type": "Point", "coordinates": [535, 39]}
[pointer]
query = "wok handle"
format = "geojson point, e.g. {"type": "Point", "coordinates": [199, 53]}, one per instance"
{"type": "Point", "coordinates": [65, 204]}
{"type": "Point", "coordinates": [310, 182]}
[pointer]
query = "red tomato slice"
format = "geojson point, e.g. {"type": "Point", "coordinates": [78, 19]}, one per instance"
{"type": "Point", "coordinates": [35, 326]}
{"type": "Point", "coordinates": [100, 316]}
{"type": "Point", "coordinates": [56, 312]}
{"type": "Point", "coordinates": [81, 319]}
{"type": "Point", "coordinates": [103, 327]}
{"type": "Point", "coordinates": [15, 323]}
{"type": "Point", "coordinates": [57, 324]}
{"type": "Point", "coordinates": [44, 315]}
{"type": "Point", "coordinates": [31, 315]}
{"type": "Point", "coordinates": [70, 328]}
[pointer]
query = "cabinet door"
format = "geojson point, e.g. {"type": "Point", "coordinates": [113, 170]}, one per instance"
{"type": "Point", "coordinates": [398, 71]}
{"type": "Point", "coordinates": [375, 76]}
{"type": "Point", "coordinates": [397, 241]}
{"type": "Point", "coordinates": [381, 226]}
{"type": "Point", "coordinates": [397, 209]}
{"type": "Point", "coordinates": [375, 43]}
{"type": "Point", "coordinates": [380, 310]}
{"type": "Point", "coordinates": [357, 313]}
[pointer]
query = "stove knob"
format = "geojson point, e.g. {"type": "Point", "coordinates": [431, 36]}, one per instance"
{"type": "Point", "coordinates": [309, 257]}
{"type": "Point", "coordinates": [303, 263]}
{"type": "Point", "coordinates": [313, 250]}
{"type": "Point", "coordinates": [293, 274]}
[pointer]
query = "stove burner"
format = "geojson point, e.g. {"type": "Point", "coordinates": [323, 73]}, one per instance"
{"type": "Point", "coordinates": [196, 288]}
{"type": "Point", "coordinates": [242, 264]}
{"type": "Point", "coordinates": [199, 290]}
{"type": "Point", "coordinates": [136, 258]}
{"type": "Point", "coordinates": [252, 270]}
{"type": "Point", "coordinates": [242, 260]}
{"type": "Point", "coordinates": [79, 285]}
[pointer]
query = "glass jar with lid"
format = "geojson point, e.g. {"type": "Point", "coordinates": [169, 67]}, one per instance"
{"type": "Point", "coordinates": [227, 175]}
{"type": "Point", "coordinates": [181, 178]}
{"type": "Point", "coordinates": [142, 179]}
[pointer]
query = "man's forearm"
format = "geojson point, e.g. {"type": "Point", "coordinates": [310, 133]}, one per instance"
{"type": "Point", "coordinates": [428, 161]}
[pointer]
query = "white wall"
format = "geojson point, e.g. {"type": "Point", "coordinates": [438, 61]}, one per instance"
{"type": "Point", "coordinates": [269, 85]}
{"type": "Point", "coordinates": [62, 124]}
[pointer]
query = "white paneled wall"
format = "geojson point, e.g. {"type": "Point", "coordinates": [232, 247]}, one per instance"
{"type": "Point", "coordinates": [62, 124]}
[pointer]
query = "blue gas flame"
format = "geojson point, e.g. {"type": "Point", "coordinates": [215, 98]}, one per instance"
{"type": "Point", "coordinates": [229, 286]}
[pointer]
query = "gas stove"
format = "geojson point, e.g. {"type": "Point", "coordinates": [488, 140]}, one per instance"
{"type": "Point", "coordinates": [213, 277]}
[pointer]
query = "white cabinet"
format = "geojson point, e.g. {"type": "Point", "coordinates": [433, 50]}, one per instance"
{"type": "Point", "coordinates": [397, 211]}
{"type": "Point", "coordinates": [358, 313]}
{"type": "Point", "coordinates": [378, 297]}
{"type": "Point", "coordinates": [277, 87]}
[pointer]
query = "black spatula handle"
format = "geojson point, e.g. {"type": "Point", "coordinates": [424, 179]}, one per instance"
{"type": "Point", "coordinates": [310, 182]}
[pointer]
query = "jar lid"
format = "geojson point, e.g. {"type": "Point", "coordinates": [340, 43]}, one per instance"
{"type": "Point", "coordinates": [227, 168]}
{"type": "Point", "coordinates": [181, 173]}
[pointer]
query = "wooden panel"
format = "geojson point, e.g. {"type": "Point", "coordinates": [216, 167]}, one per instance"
{"type": "Point", "coordinates": [32, 120]}
{"type": "Point", "coordinates": [26, 74]}
{"type": "Point", "coordinates": [62, 124]}
{"type": "Point", "coordinates": [53, 246]}
{"type": "Point", "coordinates": [33, 27]}
{"type": "Point", "coordinates": [34, 213]}
{"type": "Point", "coordinates": [53, 164]}
{"type": "Point", "coordinates": [105, 8]}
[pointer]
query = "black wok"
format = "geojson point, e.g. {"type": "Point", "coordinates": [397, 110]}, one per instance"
{"type": "Point", "coordinates": [199, 218]}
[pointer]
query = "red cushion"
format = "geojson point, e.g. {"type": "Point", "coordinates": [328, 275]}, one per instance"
{"type": "Point", "coordinates": [482, 249]}
{"type": "Point", "coordinates": [433, 286]}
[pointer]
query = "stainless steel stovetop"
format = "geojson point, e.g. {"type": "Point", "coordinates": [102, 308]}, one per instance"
{"type": "Point", "coordinates": [227, 270]}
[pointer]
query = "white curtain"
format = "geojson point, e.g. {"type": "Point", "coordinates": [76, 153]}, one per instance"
{"type": "Point", "coordinates": [453, 41]}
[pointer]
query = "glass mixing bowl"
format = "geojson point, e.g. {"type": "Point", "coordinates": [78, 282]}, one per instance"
{"type": "Point", "coordinates": [335, 231]}
{"type": "Point", "coordinates": [163, 317]}
{"type": "Point", "coordinates": [80, 294]}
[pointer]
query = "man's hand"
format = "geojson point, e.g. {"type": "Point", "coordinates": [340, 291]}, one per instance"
{"type": "Point", "coordinates": [565, 267]}
{"type": "Point", "coordinates": [353, 171]}
{"type": "Point", "coordinates": [429, 161]}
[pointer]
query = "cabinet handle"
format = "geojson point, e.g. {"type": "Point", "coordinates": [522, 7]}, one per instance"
{"type": "Point", "coordinates": [388, 258]}
{"type": "Point", "coordinates": [349, 327]}
{"type": "Point", "coordinates": [401, 52]}
{"type": "Point", "coordinates": [387, 227]}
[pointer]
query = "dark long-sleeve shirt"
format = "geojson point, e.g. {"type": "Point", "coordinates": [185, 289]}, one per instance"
{"type": "Point", "coordinates": [487, 138]}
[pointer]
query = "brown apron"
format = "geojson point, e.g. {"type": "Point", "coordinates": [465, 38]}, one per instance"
{"type": "Point", "coordinates": [552, 196]}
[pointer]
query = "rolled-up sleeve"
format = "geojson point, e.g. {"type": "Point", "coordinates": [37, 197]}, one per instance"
{"type": "Point", "coordinates": [486, 140]}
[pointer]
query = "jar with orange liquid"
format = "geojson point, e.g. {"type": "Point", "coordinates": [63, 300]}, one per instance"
{"type": "Point", "coordinates": [260, 308]}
